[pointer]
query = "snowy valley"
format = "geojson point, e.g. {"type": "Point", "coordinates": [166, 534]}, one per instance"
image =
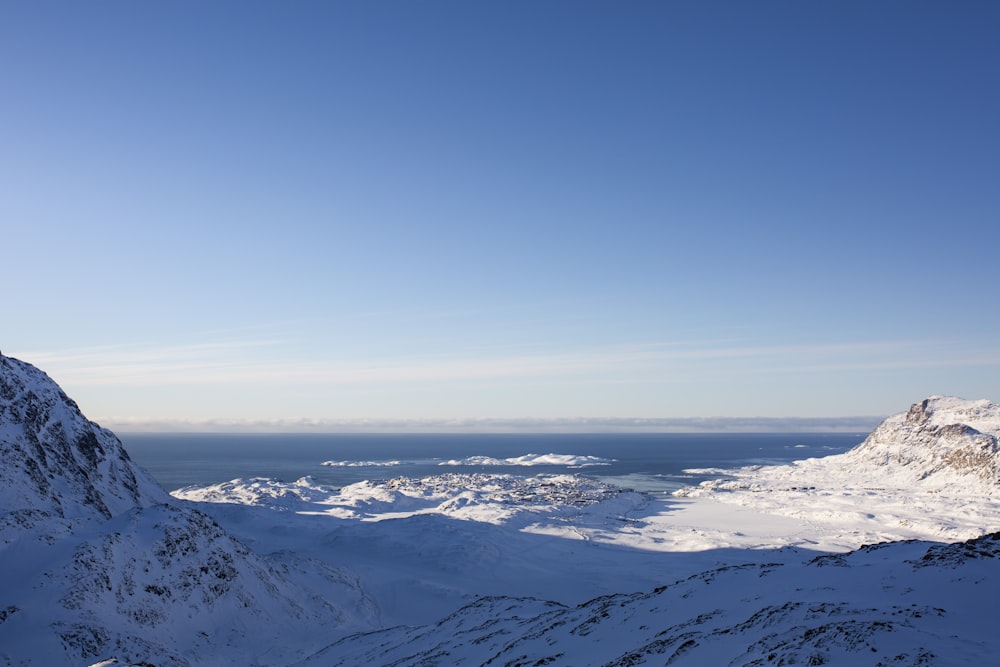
{"type": "Point", "coordinates": [762, 566]}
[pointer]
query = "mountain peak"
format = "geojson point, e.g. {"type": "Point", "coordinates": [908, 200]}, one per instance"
{"type": "Point", "coordinates": [982, 415]}
{"type": "Point", "coordinates": [96, 560]}
{"type": "Point", "coordinates": [941, 439]}
{"type": "Point", "coordinates": [55, 460]}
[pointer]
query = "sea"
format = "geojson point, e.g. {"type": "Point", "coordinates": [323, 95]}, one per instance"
{"type": "Point", "coordinates": [648, 462]}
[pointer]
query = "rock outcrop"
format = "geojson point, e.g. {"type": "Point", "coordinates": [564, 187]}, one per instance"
{"type": "Point", "coordinates": [940, 440]}
{"type": "Point", "coordinates": [56, 461]}
{"type": "Point", "coordinates": [98, 562]}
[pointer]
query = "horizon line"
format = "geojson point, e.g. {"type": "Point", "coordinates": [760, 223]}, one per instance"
{"type": "Point", "coordinates": [527, 425]}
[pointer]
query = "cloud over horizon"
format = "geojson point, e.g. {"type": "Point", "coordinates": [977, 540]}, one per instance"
{"type": "Point", "coordinates": [859, 424]}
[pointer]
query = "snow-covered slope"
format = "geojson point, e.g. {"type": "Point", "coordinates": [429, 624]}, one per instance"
{"type": "Point", "coordinates": [478, 497]}
{"type": "Point", "coordinates": [423, 547]}
{"type": "Point", "coordinates": [96, 561]}
{"type": "Point", "coordinates": [900, 603]}
{"type": "Point", "coordinates": [425, 541]}
{"type": "Point", "coordinates": [55, 461]}
{"type": "Point", "coordinates": [903, 604]}
{"type": "Point", "coordinates": [938, 442]}
{"type": "Point", "coordinates": [930, 472]}
{"type": "Point", "coordinates": [165, 585]}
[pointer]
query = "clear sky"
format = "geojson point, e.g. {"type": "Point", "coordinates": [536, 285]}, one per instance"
{"type": "Point", "coordinates": [341, 211]}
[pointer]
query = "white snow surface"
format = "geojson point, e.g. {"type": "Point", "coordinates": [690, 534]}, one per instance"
{"type": "Point", "coordinates": [557, 569]}
{"type": "Point", "coordinates": [98, 563]}
{"type": "Point", "coordinates": [765, 566]}
{"type": "Point", "coordinates": [932, 472]}
{"type": "Point", "coordinates": [495, 499]}
{"type": "Point", "coordinates": [56, 462]}
{"type": "Point", "coordinates": [903, 604]}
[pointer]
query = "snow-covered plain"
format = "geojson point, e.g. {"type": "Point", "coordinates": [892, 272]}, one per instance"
{"type": "Point", "coordinates": [762, 566]}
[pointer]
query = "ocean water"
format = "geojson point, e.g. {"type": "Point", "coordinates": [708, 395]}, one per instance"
{"type": "Point", "coordinates": [644, 462]}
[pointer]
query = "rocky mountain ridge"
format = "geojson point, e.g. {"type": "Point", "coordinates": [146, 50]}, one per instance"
{"type": "Point", "coordinates": [941, 445]}
{"type": "Point", "coordinates": [929, 472]}
{"type": "Point", "coordinates": [940, 440]}
{"type": "Point", "coordinates": [58, 462]}
{"type": "Point", "coordinates": [97, 561]}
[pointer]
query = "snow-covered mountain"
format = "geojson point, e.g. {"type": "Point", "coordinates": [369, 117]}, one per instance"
{"type": "Point", "coordinates": [96, 561]}
{"type": "Point", "coordinates": [940, 444]}
{"type": "Point", "coordinates": [99, 566]}
{"type": "Point", "coordinates": [56, 463]}
{"type": "Point", "coordinates": [939, 441]}
{"type": "Point", "coordinates": [930, 472]}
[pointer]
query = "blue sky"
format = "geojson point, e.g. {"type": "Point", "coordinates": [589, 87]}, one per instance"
{"type": "Point", "coordinates": [271, 212]}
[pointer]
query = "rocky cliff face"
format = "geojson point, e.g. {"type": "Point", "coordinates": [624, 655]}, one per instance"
{"type": "Point", "coordinates": [931, 471]}
{"type": "Point", "coordinates": [938, 440]}
{"type": "Point", "coordinates": [97, 562]}
{"type": "Point", "coordinates": [57, 462]}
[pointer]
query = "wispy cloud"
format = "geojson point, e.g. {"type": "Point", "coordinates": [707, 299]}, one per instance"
{"type": "Point", "coordinates": [146, 364]}
{"type": "Point", "coordinates": [267, 361]}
